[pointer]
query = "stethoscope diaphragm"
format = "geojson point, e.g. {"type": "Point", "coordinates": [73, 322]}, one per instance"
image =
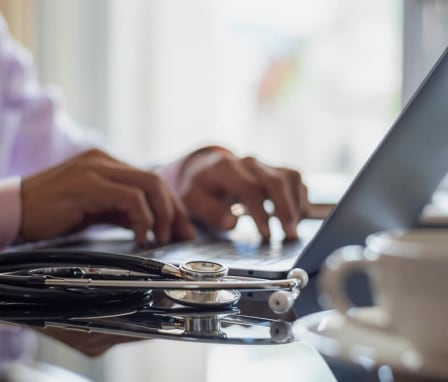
{"type": "Point", "coordinates": [204, 271]}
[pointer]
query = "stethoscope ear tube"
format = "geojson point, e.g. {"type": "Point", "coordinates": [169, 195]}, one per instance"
{"type": "Point", "coordinates": [41, 258]}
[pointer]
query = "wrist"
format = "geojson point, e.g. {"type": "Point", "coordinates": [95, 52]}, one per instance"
{"type": "Point", "coordinates": [173, 172]}
{"type": "Point", "coordinates": [200, 156]}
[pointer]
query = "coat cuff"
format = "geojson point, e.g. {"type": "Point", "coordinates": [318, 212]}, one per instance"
{"type": "Point", "coordinates": [171, 172]}
{"type": "Point", "coordinates": [10, 210]}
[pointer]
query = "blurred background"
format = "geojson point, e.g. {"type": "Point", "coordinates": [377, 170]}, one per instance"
{"type": "Point", "coordinates": [313, 85]}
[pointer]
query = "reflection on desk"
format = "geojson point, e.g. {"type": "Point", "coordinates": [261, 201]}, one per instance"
{"type": "Point", "coordinates": [213, 362]}
{"type": "Point", "coordinates": [297, 361]}
{"type": "Point", "coordinates": [387, 354]}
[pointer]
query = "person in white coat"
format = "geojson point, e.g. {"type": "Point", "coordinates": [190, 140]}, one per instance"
{"type": "Point", "coordinates": [54, 181]}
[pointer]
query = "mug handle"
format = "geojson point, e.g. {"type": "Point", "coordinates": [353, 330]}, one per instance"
{"type": "Point", "coordinates": [333, 280]}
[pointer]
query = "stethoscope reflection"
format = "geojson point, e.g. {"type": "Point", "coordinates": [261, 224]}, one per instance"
{"type": "Point", "coordinates": [225, 326]}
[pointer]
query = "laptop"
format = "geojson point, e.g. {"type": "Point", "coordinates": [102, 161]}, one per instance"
{"type": "Point", "coordinates": [389, 192]}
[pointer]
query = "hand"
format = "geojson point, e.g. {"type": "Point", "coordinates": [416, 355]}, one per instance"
{"type": "Point", "coordinates": [96, 188]}
{"type": "Point", "coordinates": [212, 179]}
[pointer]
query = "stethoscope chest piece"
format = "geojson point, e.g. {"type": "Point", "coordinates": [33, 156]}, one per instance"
{"type": "Point", "coordinates": [204, 271]}
{"type": "Point", "coordinates": [213, 298]}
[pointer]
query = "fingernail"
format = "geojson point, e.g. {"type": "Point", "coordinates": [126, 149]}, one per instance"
{"type": "Point", "coordinates": [228, 222]}
{"type": "Point", "coordinates": [291, 231]}
{"type": "Point", "coordinates": [265, 231]}
{"type": "Point", "coordinates": [190, 232]}
{"type": "Point", "coordinates": [164, 238]}
{"type": "Point", "coordinates": [143, 242]}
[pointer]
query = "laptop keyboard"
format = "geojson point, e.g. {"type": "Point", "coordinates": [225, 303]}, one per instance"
{"type": "Point", "coordinates": [241, 249]}
{"type": "Point", "coordinates": [226, 252]}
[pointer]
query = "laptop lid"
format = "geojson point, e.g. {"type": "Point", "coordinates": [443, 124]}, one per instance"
{"type": "Point", "coordinates": [398, 179]}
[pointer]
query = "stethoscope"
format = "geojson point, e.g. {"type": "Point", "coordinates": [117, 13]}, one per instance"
{"type": "Point", "coordinates": [66, 276]}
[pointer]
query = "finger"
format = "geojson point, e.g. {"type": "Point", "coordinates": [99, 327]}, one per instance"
{"type": "Point", "coordinates": [235, 178]}
{"type": "Point", "coordinates": [295, 185]}
{"type": "Point", "coordinates": [299, 193]}
{"type": "Point", "coordinates": [156, 192]}
{"type": "Point", "coordinates": [210, 209]}
{"type": "Point", "coordinates": [182, 229]}
{"type": "Point", "coordinates": [278, 190]}
{"type": "Point", "coordinates": [163, 208]}
{"type": "Point", "coordinates": [305, 205]}
{"type": "Point", "coordinates": [104, 195]}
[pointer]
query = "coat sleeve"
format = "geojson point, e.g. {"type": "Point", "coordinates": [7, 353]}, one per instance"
{"type": "Point", "coordinates": [35, 133]}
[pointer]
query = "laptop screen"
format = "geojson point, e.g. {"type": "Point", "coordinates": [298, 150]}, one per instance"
{"type": "Point", "coordinates": [398, 179]}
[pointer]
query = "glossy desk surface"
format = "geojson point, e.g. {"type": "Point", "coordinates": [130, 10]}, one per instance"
{"type": "Point", "coordinates": [249, 346]}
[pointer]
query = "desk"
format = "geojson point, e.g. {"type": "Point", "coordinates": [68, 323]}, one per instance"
{"type": "Point", "coordinates": [163, 361]}
{"type": "Point", "coordinates": [385, 355]}
{"type": "Point", "coordinates": [168, 361]}
{"type": "Point", "coordinates": [143, 362]}
{"type": "Point", "coordinates": [223, 363]}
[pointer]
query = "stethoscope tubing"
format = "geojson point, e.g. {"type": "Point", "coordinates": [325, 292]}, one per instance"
{"type": "Point", "coordinates": [268, 285]}
{"type": "Point", "coordinates": [40, 258]}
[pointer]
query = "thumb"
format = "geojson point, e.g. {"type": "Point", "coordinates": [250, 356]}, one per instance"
{"type": "Point", "coordinates": [210, 209]}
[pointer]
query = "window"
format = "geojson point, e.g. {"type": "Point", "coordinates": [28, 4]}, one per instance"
{"type": "Point", "coordinates": [310, 85]}
{"type": "Point", "coordinates": [425, 38]}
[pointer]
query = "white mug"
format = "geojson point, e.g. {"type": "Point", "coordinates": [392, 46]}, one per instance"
{"type": "Point", "coordinates": [408, 271]}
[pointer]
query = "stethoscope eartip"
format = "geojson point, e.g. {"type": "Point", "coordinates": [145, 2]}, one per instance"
{"type": "Point", "coordinates": [300, 275]}
{"type": "Point", "coordinates": [281, 301]}
{"type": "Point", "coordinates": [281, 332]}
